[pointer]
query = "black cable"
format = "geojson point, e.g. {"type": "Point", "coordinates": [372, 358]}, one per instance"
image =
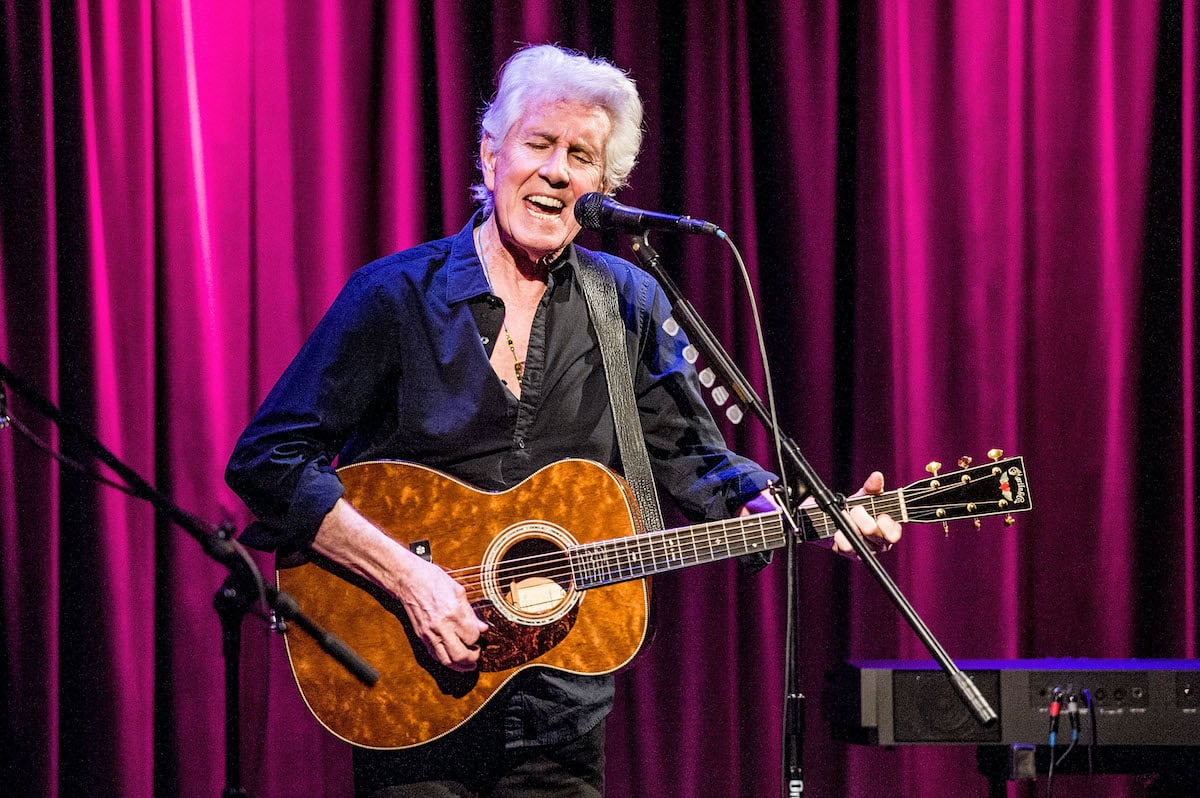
{"type": "Point", "coordinates": [7, 419]}
{"type": "Point", "coordinates": [1073, 718]}
{"type": "Point", "coordinates": [216, 541]}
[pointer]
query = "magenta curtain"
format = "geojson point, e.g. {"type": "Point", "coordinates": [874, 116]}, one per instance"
{"type": "Point", "coordinates": [970, 224]}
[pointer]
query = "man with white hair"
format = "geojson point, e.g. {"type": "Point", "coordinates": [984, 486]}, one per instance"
{"type": "Point", "coordinates": [476, 355]}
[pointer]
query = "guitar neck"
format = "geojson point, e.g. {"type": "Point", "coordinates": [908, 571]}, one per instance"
{"type": "Point", "coordinates": [994, 488]}
{"type": "Point", "coordinates": [607, 562]}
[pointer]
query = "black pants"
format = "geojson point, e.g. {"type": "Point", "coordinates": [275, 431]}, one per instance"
{"type": "Point", "coordinates": [476, 763]}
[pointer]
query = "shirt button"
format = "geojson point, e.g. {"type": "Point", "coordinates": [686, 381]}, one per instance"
{"type": "Point", "coordinates": [520, 443]}
{"type": "Point", "coordinates": [483, 339]}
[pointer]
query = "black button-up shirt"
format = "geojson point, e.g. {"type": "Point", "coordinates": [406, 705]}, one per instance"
{"type": "Point", "coordinates": [399, 368]}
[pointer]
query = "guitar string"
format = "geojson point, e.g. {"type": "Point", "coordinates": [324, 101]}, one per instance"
{"type": "Point", "coordinates": [641, 556]}
{"type": "Point", "coordinates": [680, 538]}
{"type": "Point", "coordinates": [647, 558]}
{"type": "Point", "coordinates": [648, 550]}
{"type": "Point", "coordinates": [472, 578]}
{"type": "Point", "coordinates": [688, 534]}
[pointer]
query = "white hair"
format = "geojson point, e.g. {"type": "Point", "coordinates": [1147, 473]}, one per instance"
{"type": "Point", "coordinates": [545, 73]}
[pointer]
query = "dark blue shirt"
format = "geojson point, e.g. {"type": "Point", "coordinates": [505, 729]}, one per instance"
{"type": "Point", "coordinates": [399, 368]}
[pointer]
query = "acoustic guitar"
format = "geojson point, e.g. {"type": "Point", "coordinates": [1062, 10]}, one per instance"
{"type": "Point", "coordinates": [557, 566]}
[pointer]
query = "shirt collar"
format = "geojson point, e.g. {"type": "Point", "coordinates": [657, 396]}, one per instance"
{"type": "Point", "coordinates": [464, 272]}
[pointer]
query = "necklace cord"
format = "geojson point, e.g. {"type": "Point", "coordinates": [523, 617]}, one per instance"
{"type": "Point", "coordinates": [518, 364]}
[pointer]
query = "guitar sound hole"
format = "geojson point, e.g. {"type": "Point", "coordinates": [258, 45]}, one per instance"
{"type": "Point", "coordinates": [534, 576]}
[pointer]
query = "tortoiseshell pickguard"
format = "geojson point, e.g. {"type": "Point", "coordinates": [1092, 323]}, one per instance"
{"type": "Point", "coordinates": [510, 645]}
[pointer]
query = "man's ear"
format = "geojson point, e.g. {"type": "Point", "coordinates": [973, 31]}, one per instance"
{"type": "Point", "coordinates": [487, 161]}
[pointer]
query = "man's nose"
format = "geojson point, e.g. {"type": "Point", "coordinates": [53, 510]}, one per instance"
{"type": "Point", "coordinates": [554, 168]}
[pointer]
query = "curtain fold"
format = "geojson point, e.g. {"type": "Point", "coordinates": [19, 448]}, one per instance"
{"type": "Point", "coordinates": [969, 225]}
{"type": "Point", "coordinates": [1189, 278]}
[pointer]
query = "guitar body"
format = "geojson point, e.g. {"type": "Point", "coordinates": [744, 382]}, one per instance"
{"type": "Point", "coordinates": [508, 550]}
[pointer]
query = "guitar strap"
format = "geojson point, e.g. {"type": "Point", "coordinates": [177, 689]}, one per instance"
{"type": "Point", "coordinates": [600, 291]}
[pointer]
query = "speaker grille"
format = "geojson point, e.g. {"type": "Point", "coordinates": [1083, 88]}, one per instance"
{"type": "Point", "coordinates": [925, 708]}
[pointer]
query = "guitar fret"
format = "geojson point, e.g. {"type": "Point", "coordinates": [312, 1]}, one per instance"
{"type": "Point", "coordinates": [820, 522]}
{"type": "Point", "coordinates": [578, 557]}
{"type": "Point", "coordinates": [670, 548]}
{"type": "Point", "coordinates": [603, 568]}
{"type": "Point", "coordinates": [594, 565]}
{"type": "Point", "coordinates": [595, 562]}
{"type": "Point", "coordinates": [762, 535]}
{"type": "Point", "coordinates": [637, 560]}
{"type": "Point", "coordinates": [635, 563]}
{"type": "Point", "coordinates": [624, 562]}
{"type": "Point", "coordinates": [574, 556]}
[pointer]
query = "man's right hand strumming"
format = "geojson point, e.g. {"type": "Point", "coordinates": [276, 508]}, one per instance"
{"type": "Point", "coordinates": [437, 605]}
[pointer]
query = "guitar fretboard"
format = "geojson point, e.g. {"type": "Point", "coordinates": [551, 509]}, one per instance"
{"type": "Point", "coordinates": [636, 556]}
{"type": "Point", "coordinates": [607, 562]}
{"type": "Point", "coordinates": [983, 490]}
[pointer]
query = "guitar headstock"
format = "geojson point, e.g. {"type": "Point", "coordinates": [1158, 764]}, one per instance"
{"type": "Point", "coordinates": [999, 487]}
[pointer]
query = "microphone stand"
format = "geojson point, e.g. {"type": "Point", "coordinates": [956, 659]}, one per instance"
{"type": "Point", "coordinates": [832, 505]}
{"type": "Point", "coordinates": [236, 595]}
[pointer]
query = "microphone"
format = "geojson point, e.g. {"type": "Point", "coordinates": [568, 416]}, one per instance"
{"type": "Point", "coordinates": [597, 211]}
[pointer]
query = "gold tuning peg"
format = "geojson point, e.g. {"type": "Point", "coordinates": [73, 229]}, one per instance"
{"type": "Point", "coordinates": [995, 454]}
{"type": "Point", "coordinates": [945, 529]}
{"type": "Point", "coordinates": [978, 525]}
{"type": "Point", "coordinates": [1009, 520]}
{"type": "Point", "coordinates": [933, 467]}
{"type": "Point", "coordinates": [964, 461]}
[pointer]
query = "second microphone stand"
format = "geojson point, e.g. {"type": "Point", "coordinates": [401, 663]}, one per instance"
{"type": "Point", "coordinates": [236, 596]}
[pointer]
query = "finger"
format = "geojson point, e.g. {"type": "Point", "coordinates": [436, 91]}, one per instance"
{"type": "Point", "coordinates": [454, 654]}
{"type": "Point", "coordinates": [470, 630]}
{"type": "Point", "coordinates": [889, 529]}
{"type": "Point", "coordinates": [438, 650]}
{"type": "Point", "coordinates": [880, 532]}
{"type": "Point", "coordinates": [874, 484]}
{"type": "Point", "coordinates": [841, 545]}
{"type": "Point", "coordinates": [862, 520]}
{"type": "Point", "coordinates": [466, 625]}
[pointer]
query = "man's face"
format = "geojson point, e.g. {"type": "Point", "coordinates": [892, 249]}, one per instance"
{"type": "Point", "coordinates": [550, 157]}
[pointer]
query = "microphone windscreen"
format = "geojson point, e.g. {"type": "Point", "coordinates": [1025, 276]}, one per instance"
{"type": "Point", "coordinates": [589, 209]}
